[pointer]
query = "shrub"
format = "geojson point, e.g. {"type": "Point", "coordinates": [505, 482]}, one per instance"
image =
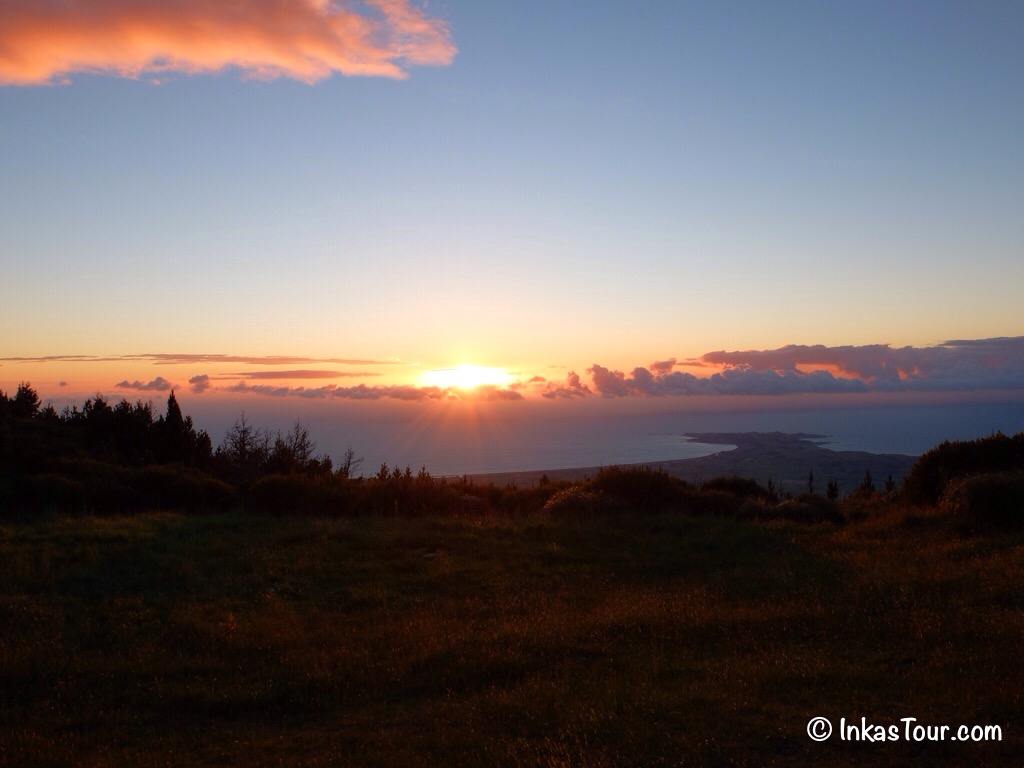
{"type": "Point", "coordinates": [108, 488]}
{"type": "Point", "coordinates": [177, 487]}
{"type": "Point", "coordinates": [641, 488]}
{"type": "Point", "coordinates": [576, 502]}
{"type": "Point", "coordinates": [740, 487]}
{"type": "Point", "coordinates": [806, 508]}
{"type": "Point", "coordinates": [52, 491]}
{"type": "Point", "coordinates": [711, 503]}
{"type": "Point", "coordinates": [280, 494]}
{"type": "Point", "coordinates": [276, 494]}
{"type": "Point", "coordinates": [927, 480]}
{"type": "Point", "coordinates": [993, 501]}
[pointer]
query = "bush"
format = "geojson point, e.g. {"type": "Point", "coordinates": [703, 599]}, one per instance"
{"type": "Point", "coordinates": [641, 488]}
{"type": "Point", "coordinates": [281, 494]}
{"type": "Point", "coordinates": [108, 488]}
{"type": "Point", "coordinates": [931, 474]}
{"type": "Point", "coordinates": [740, 487]}
{"type": "Point", "coordinates": [993, 501]}
{"type": "Point", "coordinates": [806, 508]}
{"type": "Point", "coordinates": [51, 491]}
{"type": "Point", "coordinates": [711, 503]}
{"type": "Point", "coordinates": [176, 487]}
{"type": "Point", "coordinates": [576, 502]}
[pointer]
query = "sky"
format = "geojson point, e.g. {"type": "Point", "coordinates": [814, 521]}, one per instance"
{"type": "Point", "coordinates": [277, 200]}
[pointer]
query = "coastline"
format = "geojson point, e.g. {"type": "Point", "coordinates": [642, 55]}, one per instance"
{"type": "Point", "coordinates": [785, 458]}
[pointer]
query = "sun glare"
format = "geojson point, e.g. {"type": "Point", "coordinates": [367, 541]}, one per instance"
{"type": "Point", "coordinates": [466, 377]}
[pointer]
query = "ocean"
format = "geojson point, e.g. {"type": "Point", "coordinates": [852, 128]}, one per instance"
{"type": "Point", "coordinates": [522, 436]}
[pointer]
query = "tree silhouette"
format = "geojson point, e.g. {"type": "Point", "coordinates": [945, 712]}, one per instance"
{"type": "Point", "coordinates": [350, 464]}
{"type": "Point", "coordinates": [245, 449]}
{"type": "Point", "coordinates": [25, 403]}
{"type": "Point", "coordinates": [293, 451]}
{"type": "Point", "coordinates": [175, 435]}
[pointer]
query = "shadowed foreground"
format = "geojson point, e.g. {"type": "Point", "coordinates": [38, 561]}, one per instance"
{"type": "Point", "coordinates": [166, 639]}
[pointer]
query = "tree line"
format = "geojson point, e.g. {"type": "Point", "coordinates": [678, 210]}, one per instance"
{"type": "Point", "coordinates": [130, 444]}
{"type": "Point", "coordinates": [125, 457]}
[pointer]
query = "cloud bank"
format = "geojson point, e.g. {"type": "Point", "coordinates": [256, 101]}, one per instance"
{"type": "Point", "coordinates": [961, 365]}
{"type": "Point", "coordinates": [954, 366]}
{"type": "Point", "coordinates": [739, 380]}
{"type": "Point", "coordinates": [44, 42]}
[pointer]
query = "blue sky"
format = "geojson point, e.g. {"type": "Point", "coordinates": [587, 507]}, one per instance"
{"type": "Point", "coordinates": [584, 183]}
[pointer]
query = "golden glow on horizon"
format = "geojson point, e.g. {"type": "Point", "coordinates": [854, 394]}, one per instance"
{"type": "Point", "coordinates": [466, 377]}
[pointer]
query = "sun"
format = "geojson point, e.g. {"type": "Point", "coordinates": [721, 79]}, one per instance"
{"type": "Point", "coordinates": [466, 377]}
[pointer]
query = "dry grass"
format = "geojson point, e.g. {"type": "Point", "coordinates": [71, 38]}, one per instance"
{"type": "Point", "coordinates": [233, 640]}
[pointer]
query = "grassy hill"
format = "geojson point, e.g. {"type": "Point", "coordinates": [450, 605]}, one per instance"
{"type": "Point", "coordinates": [615, 640]}
{"type": "Point", "coordinates": [165, 603]}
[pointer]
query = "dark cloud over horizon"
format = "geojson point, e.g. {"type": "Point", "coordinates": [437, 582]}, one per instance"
{"type": "Point", "coordinates": [960, 365]}
{"type": "Point", "coordinates": [954, 366]}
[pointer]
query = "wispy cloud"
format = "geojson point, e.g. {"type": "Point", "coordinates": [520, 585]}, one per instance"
{"type": "Point", "coordinates": [359, 392]}
{"type": "Point", "coordinates": [406, 392]}
{"type": "Point", "coordinates": [63, 359]}
{"type": "Point", "coordinates": [298, 375]}
{"type": "Point", "coordinates": [159, 384]}
{"type": "Point", "coordinates": [163, 358]}
{"type": "Point", "coordinates": [44, 42]}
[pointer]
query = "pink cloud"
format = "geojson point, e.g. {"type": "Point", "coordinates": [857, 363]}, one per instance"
{"type": "Point", "coordinates": [308, 40]}
{"type": "Point", "coordinates": [159, 384]}
{"type": "Point", "coordinates": [739, 380]}
{"type": "Point", "coordinates": [199, 383]}
{"type": "Point", "coordinates": [953, 365]}
{"type": "Point", "coordinates": [663, 367]}
{"type": "Point", "coordinates": [573, 387]}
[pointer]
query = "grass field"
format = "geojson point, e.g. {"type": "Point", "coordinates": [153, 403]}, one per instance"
{"type": "Point", "coordinates": [165, 639]}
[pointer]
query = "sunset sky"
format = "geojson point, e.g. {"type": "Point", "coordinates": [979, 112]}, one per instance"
{"type": "Point", "coordinates": [282, 198]}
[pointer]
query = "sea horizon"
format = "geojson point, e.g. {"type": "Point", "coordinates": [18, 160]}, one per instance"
{"type": "Point", "coordinates": [517, 440]}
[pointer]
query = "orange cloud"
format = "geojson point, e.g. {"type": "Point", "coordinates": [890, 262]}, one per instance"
{"type": "Point", "coordinates": [308, 40]}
